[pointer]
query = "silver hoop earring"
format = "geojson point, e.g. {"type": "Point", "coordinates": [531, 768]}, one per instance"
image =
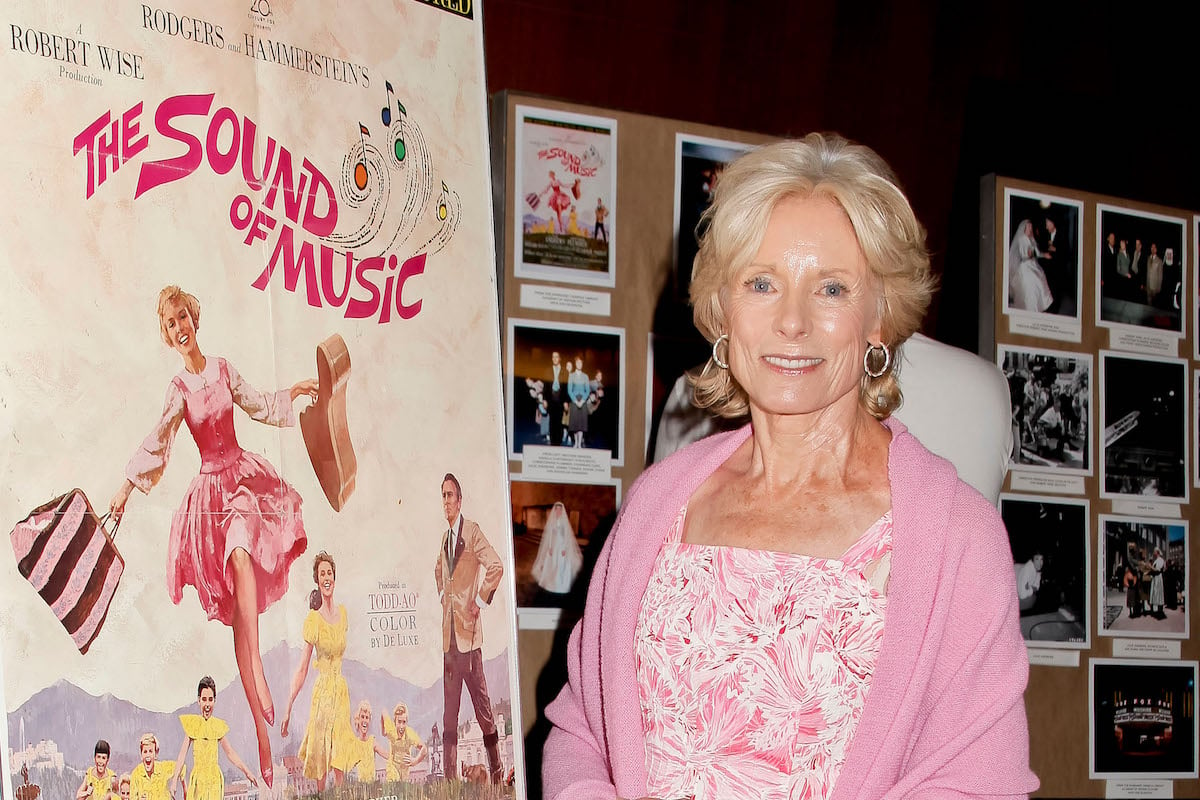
{"type": "Point", "coordinates": [724, 337]}
{"type": "Point", "coordinates": [887, 359]}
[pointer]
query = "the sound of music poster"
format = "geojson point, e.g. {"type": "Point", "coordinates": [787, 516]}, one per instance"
{"type": "Point", "coordinates": [253, 465]}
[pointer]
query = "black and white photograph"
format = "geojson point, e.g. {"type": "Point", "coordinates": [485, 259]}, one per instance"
{"type": "Point", "coordinates": [1196, 289]}
{"type": "Point", "coordinates": [672, 420]}
{"type": "Point", "coordinates": [558, 530]}
{"type": "Point", "coordinates": [1144, 567]}
{"type": "Point", "coordinates": [1049, 541]}
{"type": "Point", "coordinates": [699, 162]}
{"type": "Point", "coordinates": [1144, 413]}
{"type": "Point", "coordinates": [1042, 262]}
{"type": "Point", "coordinates": [1140, 260]}
{"type": "Point", "coordinates": [1050, 393]}
{"type": "Point", "coordinates": [1143, 719]}
{"type": "Point", "coordinates": [565, 386]}
{"type": "Point", "coordinates": [1196, 425]}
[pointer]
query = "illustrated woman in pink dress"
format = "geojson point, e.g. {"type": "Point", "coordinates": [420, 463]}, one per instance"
{"type": "Point", "coordinates": [239, 527]}
{"type": "Point", "coordinates": [559, 201]}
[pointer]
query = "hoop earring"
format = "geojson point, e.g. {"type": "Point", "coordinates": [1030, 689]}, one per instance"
{"type": "Point", "coordinates": [887, 359]}
{"type": "Point", "coordinates": [724, 337]}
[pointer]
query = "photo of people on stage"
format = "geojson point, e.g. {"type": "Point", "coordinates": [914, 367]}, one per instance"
{"type": "Point", "coordinates": [1042, 259]}
{"type": "Point", "coordinates": [1140, 260]}
{"type": "Point", "coordinates": [1143, 403]}
{"type": "Point", "coordinates": [565, 386]}
{"type": "Point", "coordinates": [1050, 394]}
{"type": "Point", "coordinates": [1049, 540]}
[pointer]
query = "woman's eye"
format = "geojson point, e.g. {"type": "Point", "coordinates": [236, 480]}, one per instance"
{"type": "Point", "coordinates": [760, 284]}
{"type": "Point", "coordinates": [833, 290]}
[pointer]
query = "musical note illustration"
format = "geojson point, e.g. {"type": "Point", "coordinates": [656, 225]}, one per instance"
{"type": "Point", "coordinates": [386, 114]}
{"type": "Point", "coordinates": [442, 208]}
{"type": "Point", "coordinates": [360, 168]}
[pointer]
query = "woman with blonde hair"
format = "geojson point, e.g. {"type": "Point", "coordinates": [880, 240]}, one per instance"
{"type": "Point", "coordinates": [239, 527]}
{"type": "Point", "coordinates": [813, 605]}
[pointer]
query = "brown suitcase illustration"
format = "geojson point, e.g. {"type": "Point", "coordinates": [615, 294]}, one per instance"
{"type": "Point", "coordinates": [64, 551]}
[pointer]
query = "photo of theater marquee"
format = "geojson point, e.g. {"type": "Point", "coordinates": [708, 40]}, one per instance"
{"type": "Point", "coordinates": [1143, 721]}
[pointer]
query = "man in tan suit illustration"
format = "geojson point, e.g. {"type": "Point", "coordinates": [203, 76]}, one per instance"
{"type": "Point", "coordinates": [467, 573]}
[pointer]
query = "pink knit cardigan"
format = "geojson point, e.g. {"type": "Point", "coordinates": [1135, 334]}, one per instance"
{"type": "Point", "coordinates": [945, 716]}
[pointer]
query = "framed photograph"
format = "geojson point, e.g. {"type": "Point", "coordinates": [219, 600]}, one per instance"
{"type": "Point", "coordinates": [1140, 260]}
{"type": "Point", "coordinates": [565, 386]}
{"type": "Point", "coordinates": [558, 530]}
{"type": "Point", "coordinates": [672, 420]}
{"type": "Point", "coordinates": [1143, 719]}
{"type": "Point", "coordinates": [1043, 262]}
{"type": "Point", "coordinates": [1196, 288]}
{"type": "Point", "coordinates": [565, 197]}
{"type": "Point", "coordinates": [1144, 570]}
{"type": "Point", "coordinates": [1049, 540]}
{"type": "Point", "coordinates": [1144, 411]}
{"type": "Point", "coordinates": [1051, 396]}
{"type": "Point", "coordinates": [698, 164]}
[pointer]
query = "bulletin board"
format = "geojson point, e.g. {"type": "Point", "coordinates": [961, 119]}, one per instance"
{"type": "Point", "coordinates": [1091, 314]}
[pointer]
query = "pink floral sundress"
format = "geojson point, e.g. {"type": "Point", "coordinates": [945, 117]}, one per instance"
{"type": "Point", "coordinates": [753, 666]}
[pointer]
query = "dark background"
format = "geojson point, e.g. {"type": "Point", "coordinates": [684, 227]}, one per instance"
{"type": "Point", "coordinates": [1087, 96]}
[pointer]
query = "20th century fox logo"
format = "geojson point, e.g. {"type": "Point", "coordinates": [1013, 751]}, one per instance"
{"type": "Point", "coordinates": [462, 8]}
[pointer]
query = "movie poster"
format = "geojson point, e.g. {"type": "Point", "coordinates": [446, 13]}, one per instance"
{"type": "Point", "coordinates": [254, 469]}
{"type": "Point", "coordinates": [566, 197]}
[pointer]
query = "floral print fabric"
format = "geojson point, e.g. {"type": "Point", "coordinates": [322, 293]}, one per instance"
{"type": "Point", "coordinates": [753, 666]}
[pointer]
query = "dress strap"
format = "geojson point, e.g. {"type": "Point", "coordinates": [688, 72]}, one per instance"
{"type": "Point", "coordinates": [675, 534]}
{"type": "Point", "coordinates": [874, 544]}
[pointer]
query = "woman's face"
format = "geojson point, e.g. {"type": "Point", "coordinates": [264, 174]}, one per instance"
{"type": "Point", "coordinates": [578, 362]}
{"type": "Point", "coordinates": [801, 313]}
{"type": "Point", "coordinates": [1028, 229]}
{"type": "Point", "coordinates": [181, 329]}
{"type": "Point", "coordinates": [325, 579]}
{"type": "Point", "coordinates": [401, 718]}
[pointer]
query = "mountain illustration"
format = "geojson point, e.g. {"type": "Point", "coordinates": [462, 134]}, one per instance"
{"type": "Point", "coordinates": [74, 719]}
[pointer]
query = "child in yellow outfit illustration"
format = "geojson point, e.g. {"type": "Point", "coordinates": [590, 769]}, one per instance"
{"type": "Point", "coordinates": [150, 776]}
{"type": "Point", "coordinates": [207, 781]}
{"type": "Point", "coordinates": [406, 749]}
{"type": "Point", "coordinates": [362, 749]}
{"type": "Point", "coordinates": [98, 780]}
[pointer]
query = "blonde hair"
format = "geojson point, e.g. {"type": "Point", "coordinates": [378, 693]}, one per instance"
{"type": "Point", "coordinates": [365, 705]}
{"type": "Point", "coordinates": [125, 778]}
{"type": "Point", "coordinates": [401, 706]}
{"type": "Point", "coordinates": [173, 294]}
{"type": "Point", "coordinates": [892, 242]}
{"type": "Point", "coordinates": [148, 738]}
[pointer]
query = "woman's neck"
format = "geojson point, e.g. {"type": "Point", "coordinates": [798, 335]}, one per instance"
{"type": "Point", "coordinates": [195, 362]}
{"type": "Point", "coordinates": [791, 450]}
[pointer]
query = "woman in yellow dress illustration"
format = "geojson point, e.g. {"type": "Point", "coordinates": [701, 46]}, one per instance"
{"type": "Point", "coordinates": [207, 782]}
{"type": "Point", "coordinates": [327, 739]}
{"type": "Point", "coordinates": [405, 748]}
